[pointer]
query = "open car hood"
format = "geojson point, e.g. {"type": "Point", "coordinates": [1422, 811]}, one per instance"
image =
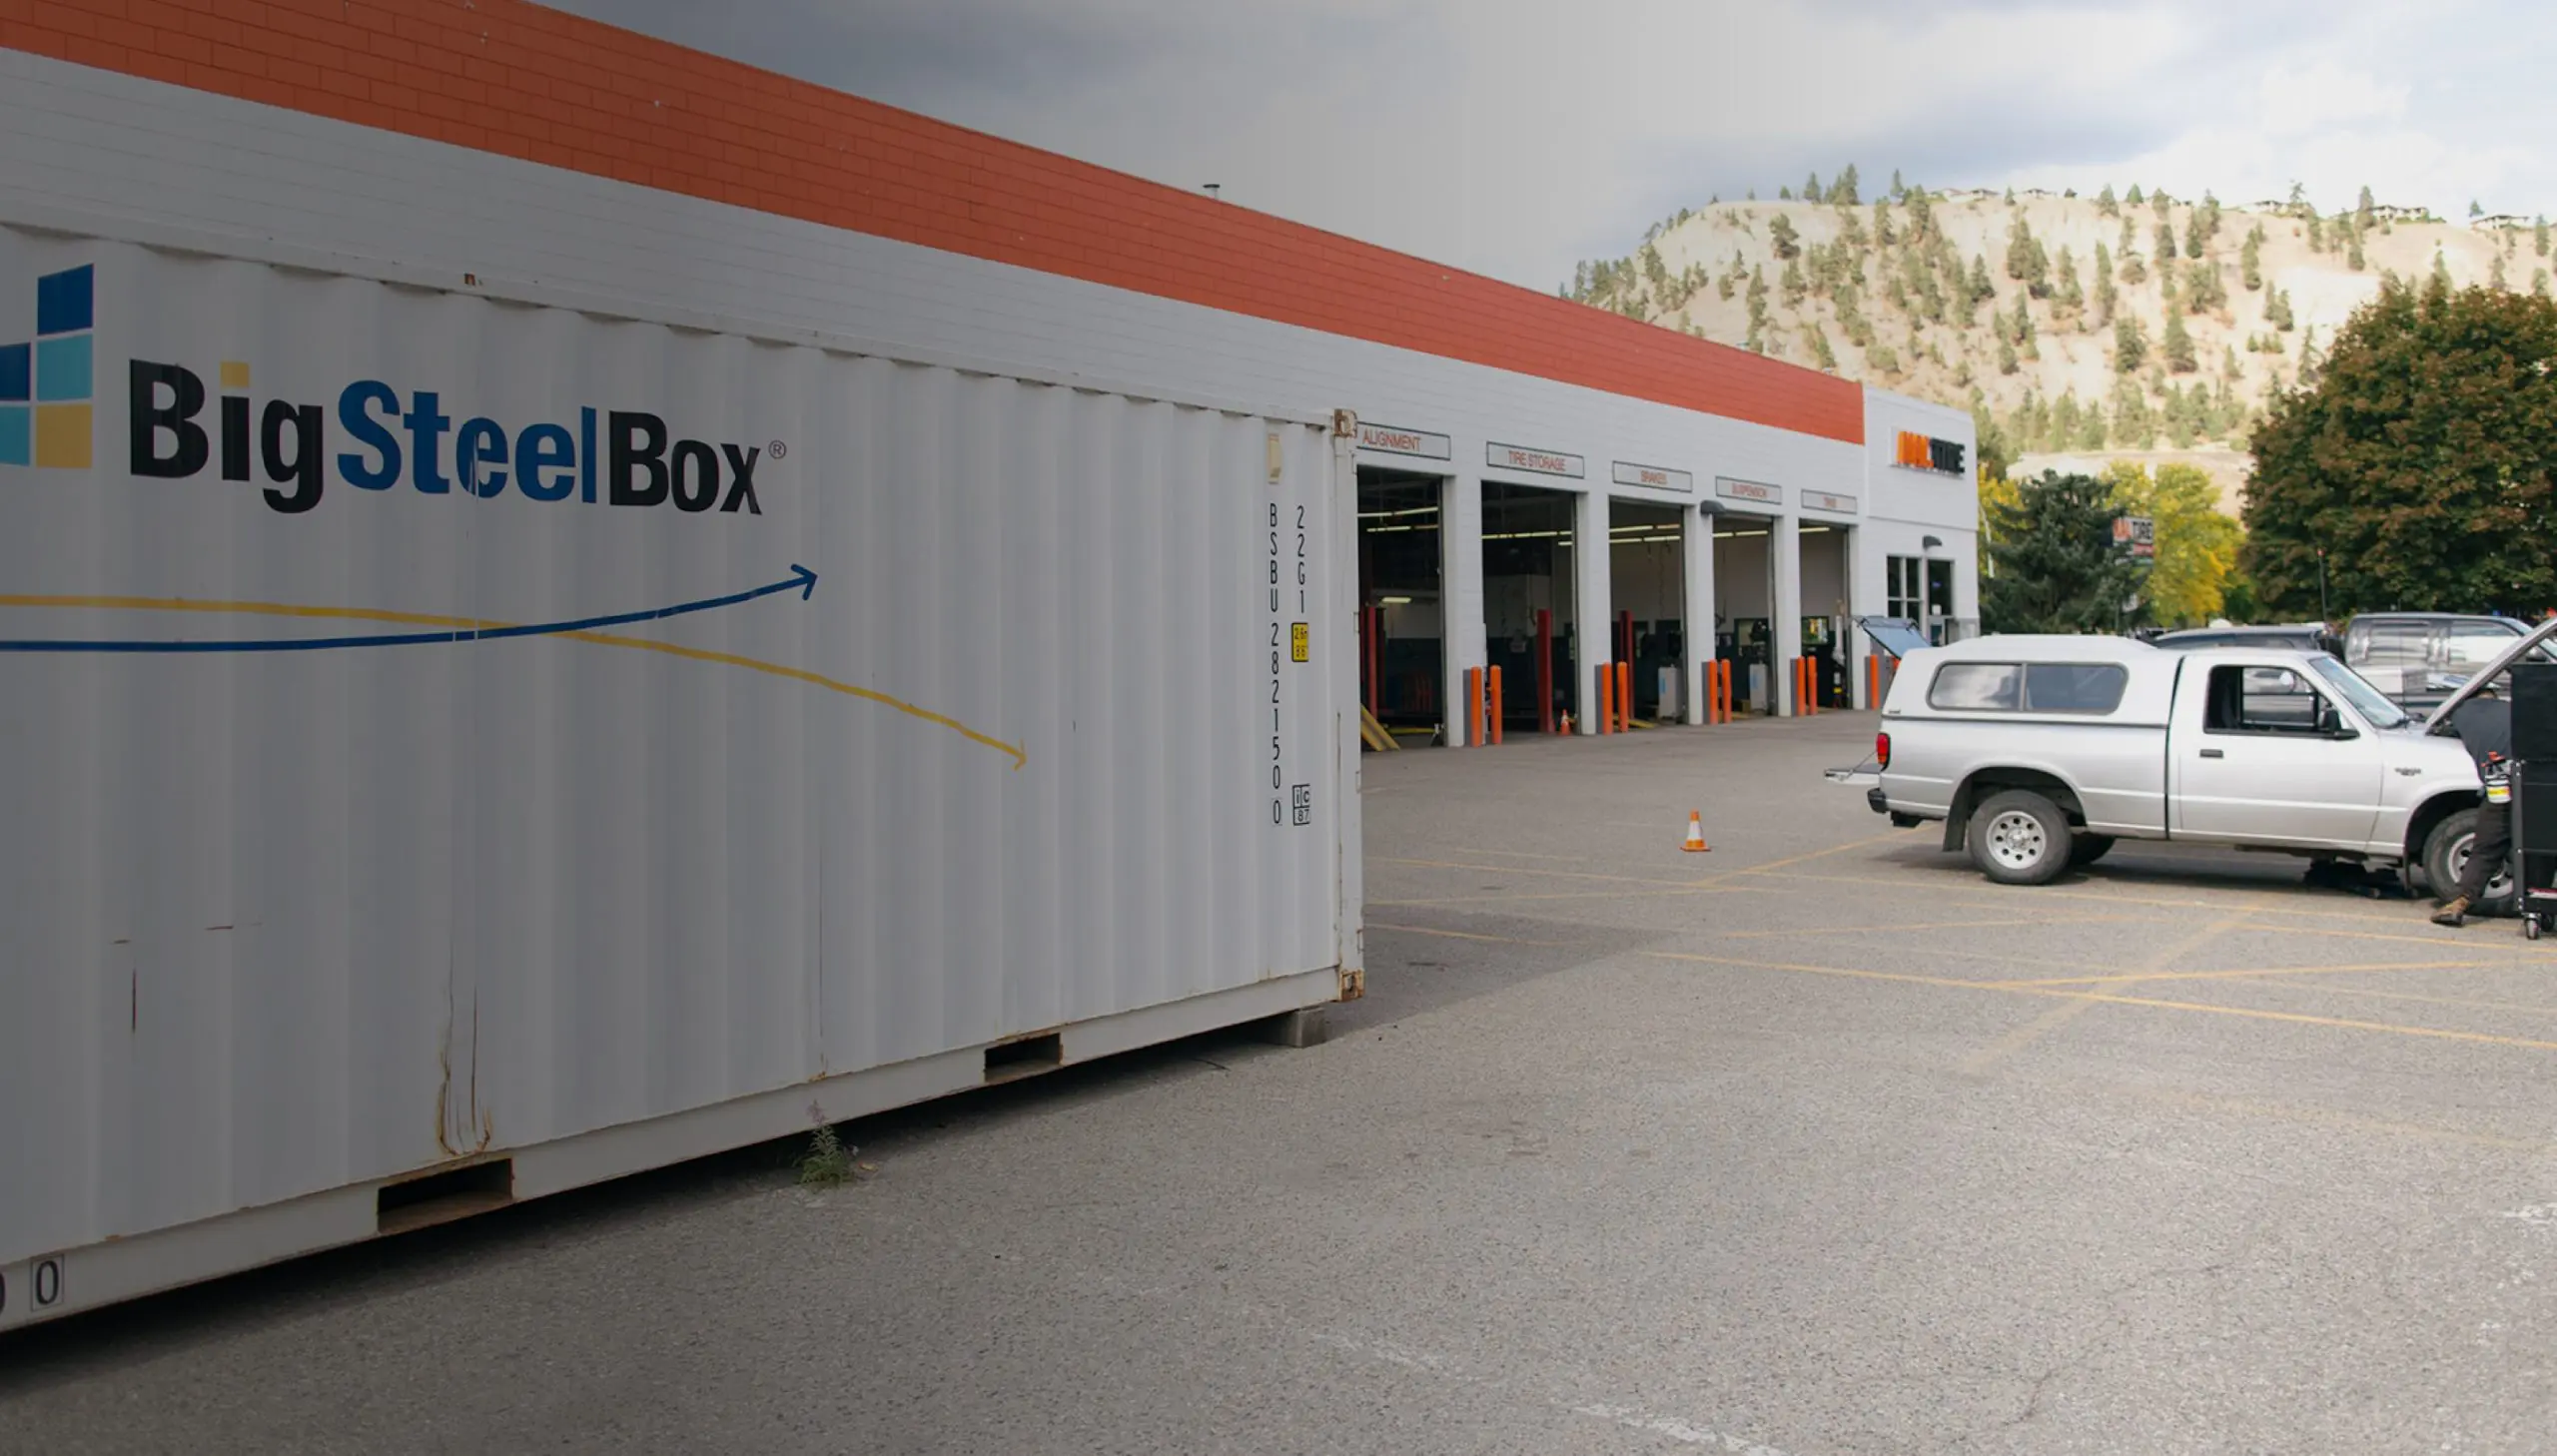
{"type": "Point", "coordinates": [2440, 722]}
{"type": "Point", "coordinates": [1897, 636]}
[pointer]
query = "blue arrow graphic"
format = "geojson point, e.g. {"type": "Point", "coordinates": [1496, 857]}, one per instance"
{"type": "Point", "coordinates": [801, 581]}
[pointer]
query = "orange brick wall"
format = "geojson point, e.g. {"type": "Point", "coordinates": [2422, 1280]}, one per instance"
{"type": "Point", "coordinates": [516, 79]}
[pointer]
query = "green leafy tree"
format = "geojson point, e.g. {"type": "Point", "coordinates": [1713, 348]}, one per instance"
{"type": "Point", "coordinates": [2422, 460]}
{"type": "Point", "coordinates": [2197, 542]}
{"type": "Point", "coordinates": [2053, 565]}
{"type": "Point", "coordinates": [2106, 294]}
{"type": "Point", "coordinates": [2130, 345]}
{"type": "Point", "coordinates": [2178, 345]}
{"type": "Point", "coordinates": [2250, 259]}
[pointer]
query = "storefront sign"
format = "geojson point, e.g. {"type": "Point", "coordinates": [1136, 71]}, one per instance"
{"type": "Point", "coordinates": [1395, 441]}
{"type": "Point", "coordinates": [1920, 452]}
{"type": "Point", "coordinates": [1539, 462]}
{"type": "Point", "coordinates": [1749, 490]}
{"type": "Point", "coordinates": [1655, 477]}
{"type": "Point", "coordinates": [1824, 500]}
{"type": "Point", "coordinates": [2136, 535]}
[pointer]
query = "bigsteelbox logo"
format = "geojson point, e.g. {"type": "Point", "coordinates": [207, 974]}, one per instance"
{"type": "Point", "coordinates": [46, 383]}
{"type": "Point", "coordinates": [615, 457]}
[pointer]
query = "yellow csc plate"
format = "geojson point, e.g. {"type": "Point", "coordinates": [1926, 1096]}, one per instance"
{"type": "Point", "coordinates": [1300, 643]}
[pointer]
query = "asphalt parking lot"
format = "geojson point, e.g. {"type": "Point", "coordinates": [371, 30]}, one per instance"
{"type": "Point", "coordinates": [1818, 1144]}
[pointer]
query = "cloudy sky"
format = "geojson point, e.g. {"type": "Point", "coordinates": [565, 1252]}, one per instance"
{"type": "Point", "coordinates": [1517, 135]}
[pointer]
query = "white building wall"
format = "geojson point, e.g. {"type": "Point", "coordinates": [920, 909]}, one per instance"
{"type": "Point", "coordinates": [1903, 507]}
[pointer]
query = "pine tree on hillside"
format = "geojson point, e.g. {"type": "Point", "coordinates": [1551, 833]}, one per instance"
{"type": "Point", "coordinates": [2106, 205]}
{"type": "Point", "coordinates": [1842, 189]}
{"type": "Point", "coordinates": [1883, 237]}
{"type": "Point", "coordinates": [2495, 273]}
{"type": "Point", "coordinates": [1823, 358]}
{"type": "Point", "coordinates": [2441, 268]}
{"type": "Point", "coordinates": [2277, 310]}
{"type": "Point", "coordinates": [2475, 211]}
{"type": "Point", "coordinates": [2105, 295]}
{"type": "Point", "coordinates": [2316, 233]}
{"type": "Point", "coordinates": [2250, 259]}
{"type": "Point", "coordinates": [1780, 232]}
{"type": "Point", "coordinates": [1784, 193]}
{"type": "Point", "coordinates": [2178, 345]}
{"type": "Point", "coordinates": [2130, 345]}
{"type": "Point", "coordinates": [2352, 250]}
{"type": "Point", "coordinates": [2070, 293]}
{"type": "Point", "coordinates": [2193, 235]}
{"type": "Point", "coordinates": [2160, 203]}
{"type": "Point", "coordinates": [1899, 188]}
{"type": "Point", "coordinates": [2006, 361]}
{"type": "Point", "coordinates": [2362, 211]}
{"type": "Point", "coordinates": [1982, 290]}
{"type": "Point", "coordinates": [2539, 236]}
{"type": "Point", "coordinates": [1921, 217]}
{"type": "Point", "coordinates": [1811, 190]}
{"type": "Point", "coordinates": [2131, 198]}
{"type": "Point", "coordinates": [2539, 282]}
{"type": "Point", "coordinates": [2166, 249]}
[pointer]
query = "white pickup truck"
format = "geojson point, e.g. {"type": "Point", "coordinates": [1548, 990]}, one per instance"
{"type": "Point", "coordinates": [2038, 753]}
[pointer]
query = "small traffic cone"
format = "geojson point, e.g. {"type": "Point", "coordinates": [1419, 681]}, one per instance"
{"type": "Point", "coordinates": [1695, 843]}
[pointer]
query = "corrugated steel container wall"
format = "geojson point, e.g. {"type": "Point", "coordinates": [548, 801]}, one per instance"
{"type": "Point", "coordinates": [277, 922]}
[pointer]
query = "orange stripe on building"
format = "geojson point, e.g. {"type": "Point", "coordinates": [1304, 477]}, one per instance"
{"type": "Point", "coordinates": [514, 79]}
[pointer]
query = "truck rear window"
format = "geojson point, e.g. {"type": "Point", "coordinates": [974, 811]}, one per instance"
{"type": "Point", "coordinates": [2028, 687]}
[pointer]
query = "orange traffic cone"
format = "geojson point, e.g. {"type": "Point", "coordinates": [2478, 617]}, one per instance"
{"type": "Point", "coordinates": [1695, 843]}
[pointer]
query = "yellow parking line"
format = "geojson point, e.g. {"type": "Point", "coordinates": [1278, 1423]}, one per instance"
{"type": "Point", "coordinates": [2204, 1008]}
{"type": "Point", "coordinates": [1423, 929]}
{"type": "Point", "coordinates": [1546, 874]}
{"type": "Point", "coordinates": [1877, 930]}
{"type": "Point", "coordinates": [2254, 972]}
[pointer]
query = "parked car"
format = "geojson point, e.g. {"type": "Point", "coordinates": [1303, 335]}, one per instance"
{"type": "Point", "coordinates": [2296, 637]}
{"type": "Point", "coordinates": [2038, 753]}
{"type": "Point", "coordinates": [2419, 658]}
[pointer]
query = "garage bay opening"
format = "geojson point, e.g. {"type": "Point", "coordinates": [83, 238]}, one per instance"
{"type": "Point", "coordinates": [1402, 610]}
{"type": "Point", "coordinates": [1530, 622]}
{"type": "Point", "coordinates": [1646, 578]}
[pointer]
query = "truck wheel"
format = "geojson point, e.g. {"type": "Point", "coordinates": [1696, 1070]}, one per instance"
{"type": "Point", "coordinates": [2020, 838]}
{"type": "Point", "coordinates": [2085, 849]}
{"type": "Point", "coordinates": [2446, 854]}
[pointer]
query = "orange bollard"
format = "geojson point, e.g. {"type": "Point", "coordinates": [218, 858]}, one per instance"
{"type": "Point", "coordinates": [1606, 699]}
{"type": "Point", "coordinates": [1494, 676]}
{"type": "Point", "coordinates": [1873, 684]}
{"type": "Point", "coordinates": [1624, 697]}
{"type": "Point", "coordinates": [1473, 706]}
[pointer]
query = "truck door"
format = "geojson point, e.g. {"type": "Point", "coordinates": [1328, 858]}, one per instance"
{"type": "Point", "coordinates": [2262, 755]}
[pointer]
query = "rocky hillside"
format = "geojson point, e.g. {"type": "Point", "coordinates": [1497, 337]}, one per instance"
{"type": "Point", "coordinates": [2073, 325]}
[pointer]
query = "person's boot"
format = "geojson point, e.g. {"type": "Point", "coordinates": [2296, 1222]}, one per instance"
{"type": "Point", "coordinates": [2454, 913]}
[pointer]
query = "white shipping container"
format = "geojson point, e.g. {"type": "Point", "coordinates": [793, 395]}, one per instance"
{"type": "Point", "coordinates": [516, 745]}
